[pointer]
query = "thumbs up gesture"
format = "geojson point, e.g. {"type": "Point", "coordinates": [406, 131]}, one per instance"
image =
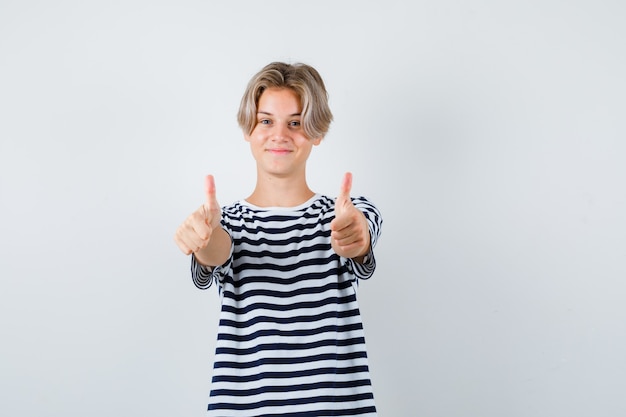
{"type": "Point", "coordinates": [196, 231]}
{"type": "Point", "coordinates": [350, 236]}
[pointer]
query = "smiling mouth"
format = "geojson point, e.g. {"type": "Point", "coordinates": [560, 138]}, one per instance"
{"type": "Point", "coordinates": [279, 151]}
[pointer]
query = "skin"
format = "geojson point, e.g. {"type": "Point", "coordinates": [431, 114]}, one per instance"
{"type": "Point", "coordinates": [281, 150]}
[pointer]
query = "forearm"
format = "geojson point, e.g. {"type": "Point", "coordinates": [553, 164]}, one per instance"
{"type": "Point", "coordinates": [356, 251]}
{"type": "Point", "coordinates": [217, 250]}
{"type": "Point", "coordinates": [350, 235]}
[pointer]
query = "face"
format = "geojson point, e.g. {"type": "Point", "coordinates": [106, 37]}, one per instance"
{"type": "Point", "coordinates": [278, 142]}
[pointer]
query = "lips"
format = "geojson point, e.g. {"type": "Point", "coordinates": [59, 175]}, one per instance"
{"type": "Point", "coordinates": [279, 151]}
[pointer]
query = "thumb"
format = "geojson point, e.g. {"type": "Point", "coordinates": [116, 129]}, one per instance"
{"type": "Point", "coordinates": [343, 199]}
{"type": "Point", "coordinates": [346, 187]}
{"type": "Point", "coordinates": [209, 189]}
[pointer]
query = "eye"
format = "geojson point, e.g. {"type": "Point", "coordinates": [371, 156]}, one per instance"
{"type": "Point", "coordinates": [294, 123]}
{"type": "Point", "coordinates": [264, 121]}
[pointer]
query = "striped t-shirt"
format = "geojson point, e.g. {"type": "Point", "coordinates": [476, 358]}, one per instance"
{"type": "Point", "coordinates": [290, 338]}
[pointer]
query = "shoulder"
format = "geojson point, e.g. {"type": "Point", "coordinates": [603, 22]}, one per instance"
{"type": "Point", "coordinates": [369, 209]}
{"type": "Point", "coordinates": [323, 203]}
{"type": "Point", "coordinates": [326, 203]}
{"type": "Point", "coordinates": [237, 213]}
{"type": "Point", "coordinates": [364, 203]}
{"type": "Point", "coordinates": [235, 207]}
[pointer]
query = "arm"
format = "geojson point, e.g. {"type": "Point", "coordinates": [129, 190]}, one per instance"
{"type": "Point", "coordinates": [201, 232]}
{"type": "Point", "coordinates": [350, 233]}
{"type": "Point", "coordinates": [217, 251]}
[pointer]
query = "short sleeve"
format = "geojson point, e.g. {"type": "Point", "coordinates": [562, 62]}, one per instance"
{"type": "Point", "coordinates": [374, 219]}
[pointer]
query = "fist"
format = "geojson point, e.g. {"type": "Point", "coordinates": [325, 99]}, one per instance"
{"type": "Point", "coordinates": [195, 232]}
{"type": "Point", "coordinates": [349, 231]}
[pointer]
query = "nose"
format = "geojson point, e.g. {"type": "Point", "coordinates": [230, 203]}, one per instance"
{"type": "Point", "coordinates": [280, 133]}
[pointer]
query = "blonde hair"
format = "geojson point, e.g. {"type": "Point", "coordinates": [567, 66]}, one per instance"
{"type": "Point", "coordinates": [308, 85]}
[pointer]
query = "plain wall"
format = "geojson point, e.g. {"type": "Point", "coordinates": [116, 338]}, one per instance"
{"type": "Point", "coordinates": [490, 134]}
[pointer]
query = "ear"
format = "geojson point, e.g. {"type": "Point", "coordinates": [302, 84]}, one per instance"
{"type": "Point", "coordinates": [246, 137]}
{"type": "Point", "coordinates": [317, 141]}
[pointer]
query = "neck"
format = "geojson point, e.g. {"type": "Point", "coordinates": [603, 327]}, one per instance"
{"type": "Point", "coordinates": [272, 191]}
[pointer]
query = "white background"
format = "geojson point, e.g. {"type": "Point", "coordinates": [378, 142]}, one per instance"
{"type": "Point", "coordinates": [490, 134]}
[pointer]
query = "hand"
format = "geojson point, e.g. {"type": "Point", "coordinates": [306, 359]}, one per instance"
{"type": "Point", "coordinates": [195, 232]}
{"type": "Point", "coordinates": [350, 235]}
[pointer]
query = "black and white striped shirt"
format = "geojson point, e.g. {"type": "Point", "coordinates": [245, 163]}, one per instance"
{"type": "Point", "coordinates": [290, 339]}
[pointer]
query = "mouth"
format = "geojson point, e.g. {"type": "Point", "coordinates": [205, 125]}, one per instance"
{"type": "Point", "coordinates": [279, 151]}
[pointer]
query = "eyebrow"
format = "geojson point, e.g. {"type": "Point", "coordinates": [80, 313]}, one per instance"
{"type": "Point", "coordinates": [270, 114]}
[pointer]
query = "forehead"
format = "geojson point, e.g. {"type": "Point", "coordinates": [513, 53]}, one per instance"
{"type": "Point", "coordinates": [279, 99]}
